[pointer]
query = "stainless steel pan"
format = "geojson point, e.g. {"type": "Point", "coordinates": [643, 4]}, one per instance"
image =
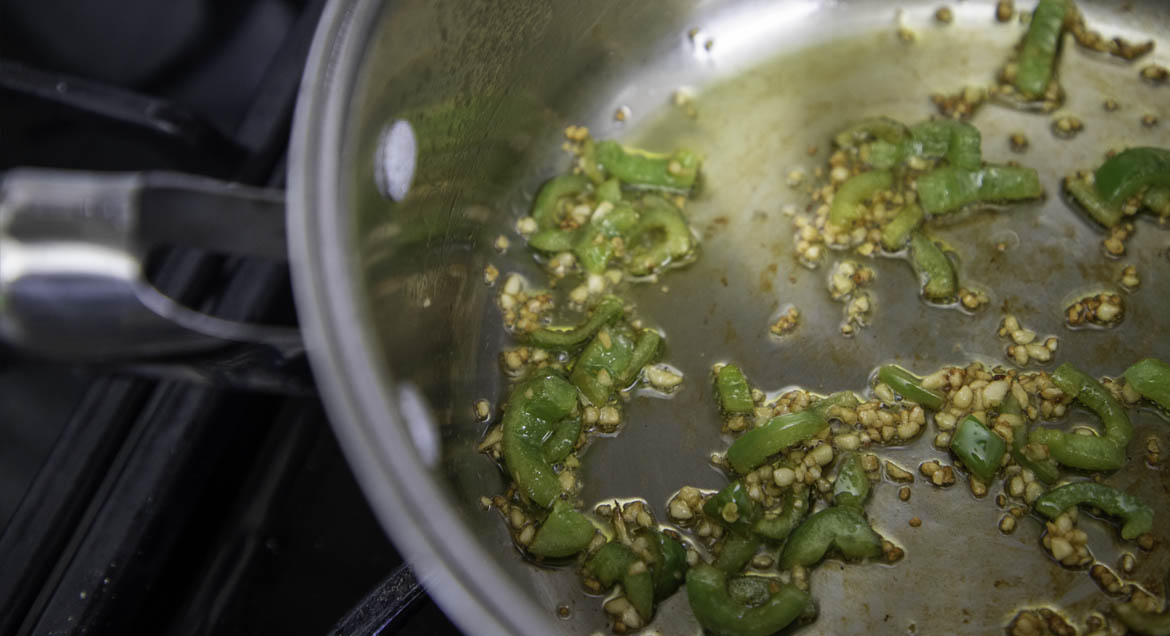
{"type": "Point", "coordinates": [404, 334]}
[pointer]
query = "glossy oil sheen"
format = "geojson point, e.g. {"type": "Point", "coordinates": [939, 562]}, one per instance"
{"type": "Point", "coordinates": [488, 89]}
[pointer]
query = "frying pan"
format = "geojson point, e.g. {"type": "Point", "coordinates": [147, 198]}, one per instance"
{"type": "Point", "coordinates": [389, 235]}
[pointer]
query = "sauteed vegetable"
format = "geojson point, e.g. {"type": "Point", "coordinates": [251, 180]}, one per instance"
{"type": "Point", "coordinates": [800, 466]}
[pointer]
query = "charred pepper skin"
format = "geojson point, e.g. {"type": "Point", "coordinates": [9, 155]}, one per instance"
{"type": "Point", "coordinates": [1138, 517]}
{"type": "Point", "coordinates": [722, 614]}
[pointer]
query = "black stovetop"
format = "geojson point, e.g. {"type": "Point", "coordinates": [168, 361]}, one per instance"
{"type": "Point", "coordinates": [130, 504]}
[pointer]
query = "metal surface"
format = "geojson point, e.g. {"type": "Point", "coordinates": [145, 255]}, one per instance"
{"type": "Point", "coordinates": [391, 294]}
{"type": "Point", "coordinates": [72, 252]}
{"type": "Point", "coordinates": [396, 595]}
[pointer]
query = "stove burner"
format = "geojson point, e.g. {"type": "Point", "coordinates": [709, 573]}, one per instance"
{"type": "Point", "coordinates": [134, 504]}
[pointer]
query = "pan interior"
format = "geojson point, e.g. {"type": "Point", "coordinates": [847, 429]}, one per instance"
{"type": "Point", "coordinates": [488, 91]}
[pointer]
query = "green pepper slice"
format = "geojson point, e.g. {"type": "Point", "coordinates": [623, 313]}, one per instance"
{"type": "Point", "coordinates": [554, 240]}
{"type": "Point", "coordinates": [1151, 378]}
{"type": "Point", "coordinates": [754, 447]}
{"type": "Point", "coordinates": [1157, 199]}
{"type": "Point", "coordinates": [562, 440]}
{"type": "Point", "coordinates": [718, 612]}
{"type": "Point", "coordinates": [1138, 517]}
{"type": "Point", "coordinates": [1086, 195]}
{"type": "Point", "coordinates": [980, 450]}
{"type": "Point", "coordinates": [949, 188]}
{"type": "Point", "coordinates": [611, 563]}
{"type": "Point", "coordinates": [896, 231]}
{"type": "Point", "coordinates": [1097, 398]}
{"type": "Point", "coordinates": [670, 562]}
{"type": "Point", "coordinates": [883, 128]}
{"type": "Point", "coordinates": [546, 208]}
{"type": "Point", "coordinates": [564, 533]}
{"type": "Point", "coordinates": [935, 271]}
{"type": "Point", "coordinates": [610, 190]}
{"type": "Point", "coordinates": [645, 350]}
{"type": "Point", "coordinates": [909, 386]}
{"type": "Point", "coordinates": [958, 142]}
{"type": "Point", "coordinates": [533, 408]}
{"type": "Point", "coordinates": [1087, 452]}
{"type": "Point", "coordinates": [564, 338]}
{"type": "Point", "coordinates": [732, 507]}
{"type": "Point", "coordinates": [1046, 470]}
{"type": "Point", "coordinates": [1123, 175]}
{"type": "Point", "coordinates": [841, 527]}
{"type": "Point", "coordinates": [844, 211]}
{"type": "Point", "coordinates": [616, 562]}
{"type": "Point", "coordinates": [1037, 61]}
{"type": "Point", "coordinates": [639, 168]}
{"type": "Point", "coordinates": [852, 485]}
{"type": "Point", "coordinates": [735, 396]}
{"type": "Point", "coordinates": [777, 525]}
{"type": "Point", "coordinates": [660, 238]}
{"type": "Point", "coordinates": [840, 398]}
{"type": "Point", "coordinates": [639, 588]}
{"type": "Point", "coordinates": [601, 365]}
{"type": "Point", "coordinates": [736, 550]}
{"type": "Point", "coordinates": [594, 244]}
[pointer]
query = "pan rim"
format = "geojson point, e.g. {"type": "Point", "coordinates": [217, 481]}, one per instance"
{"type": "Point", "coordinates": [356, 383]}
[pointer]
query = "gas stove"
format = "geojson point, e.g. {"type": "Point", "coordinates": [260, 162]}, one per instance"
{"type": "Point", "coordinates": [134, 499]}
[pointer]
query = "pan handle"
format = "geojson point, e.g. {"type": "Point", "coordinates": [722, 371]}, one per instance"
{"type": "Point", "coordinates": [72, 251]}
